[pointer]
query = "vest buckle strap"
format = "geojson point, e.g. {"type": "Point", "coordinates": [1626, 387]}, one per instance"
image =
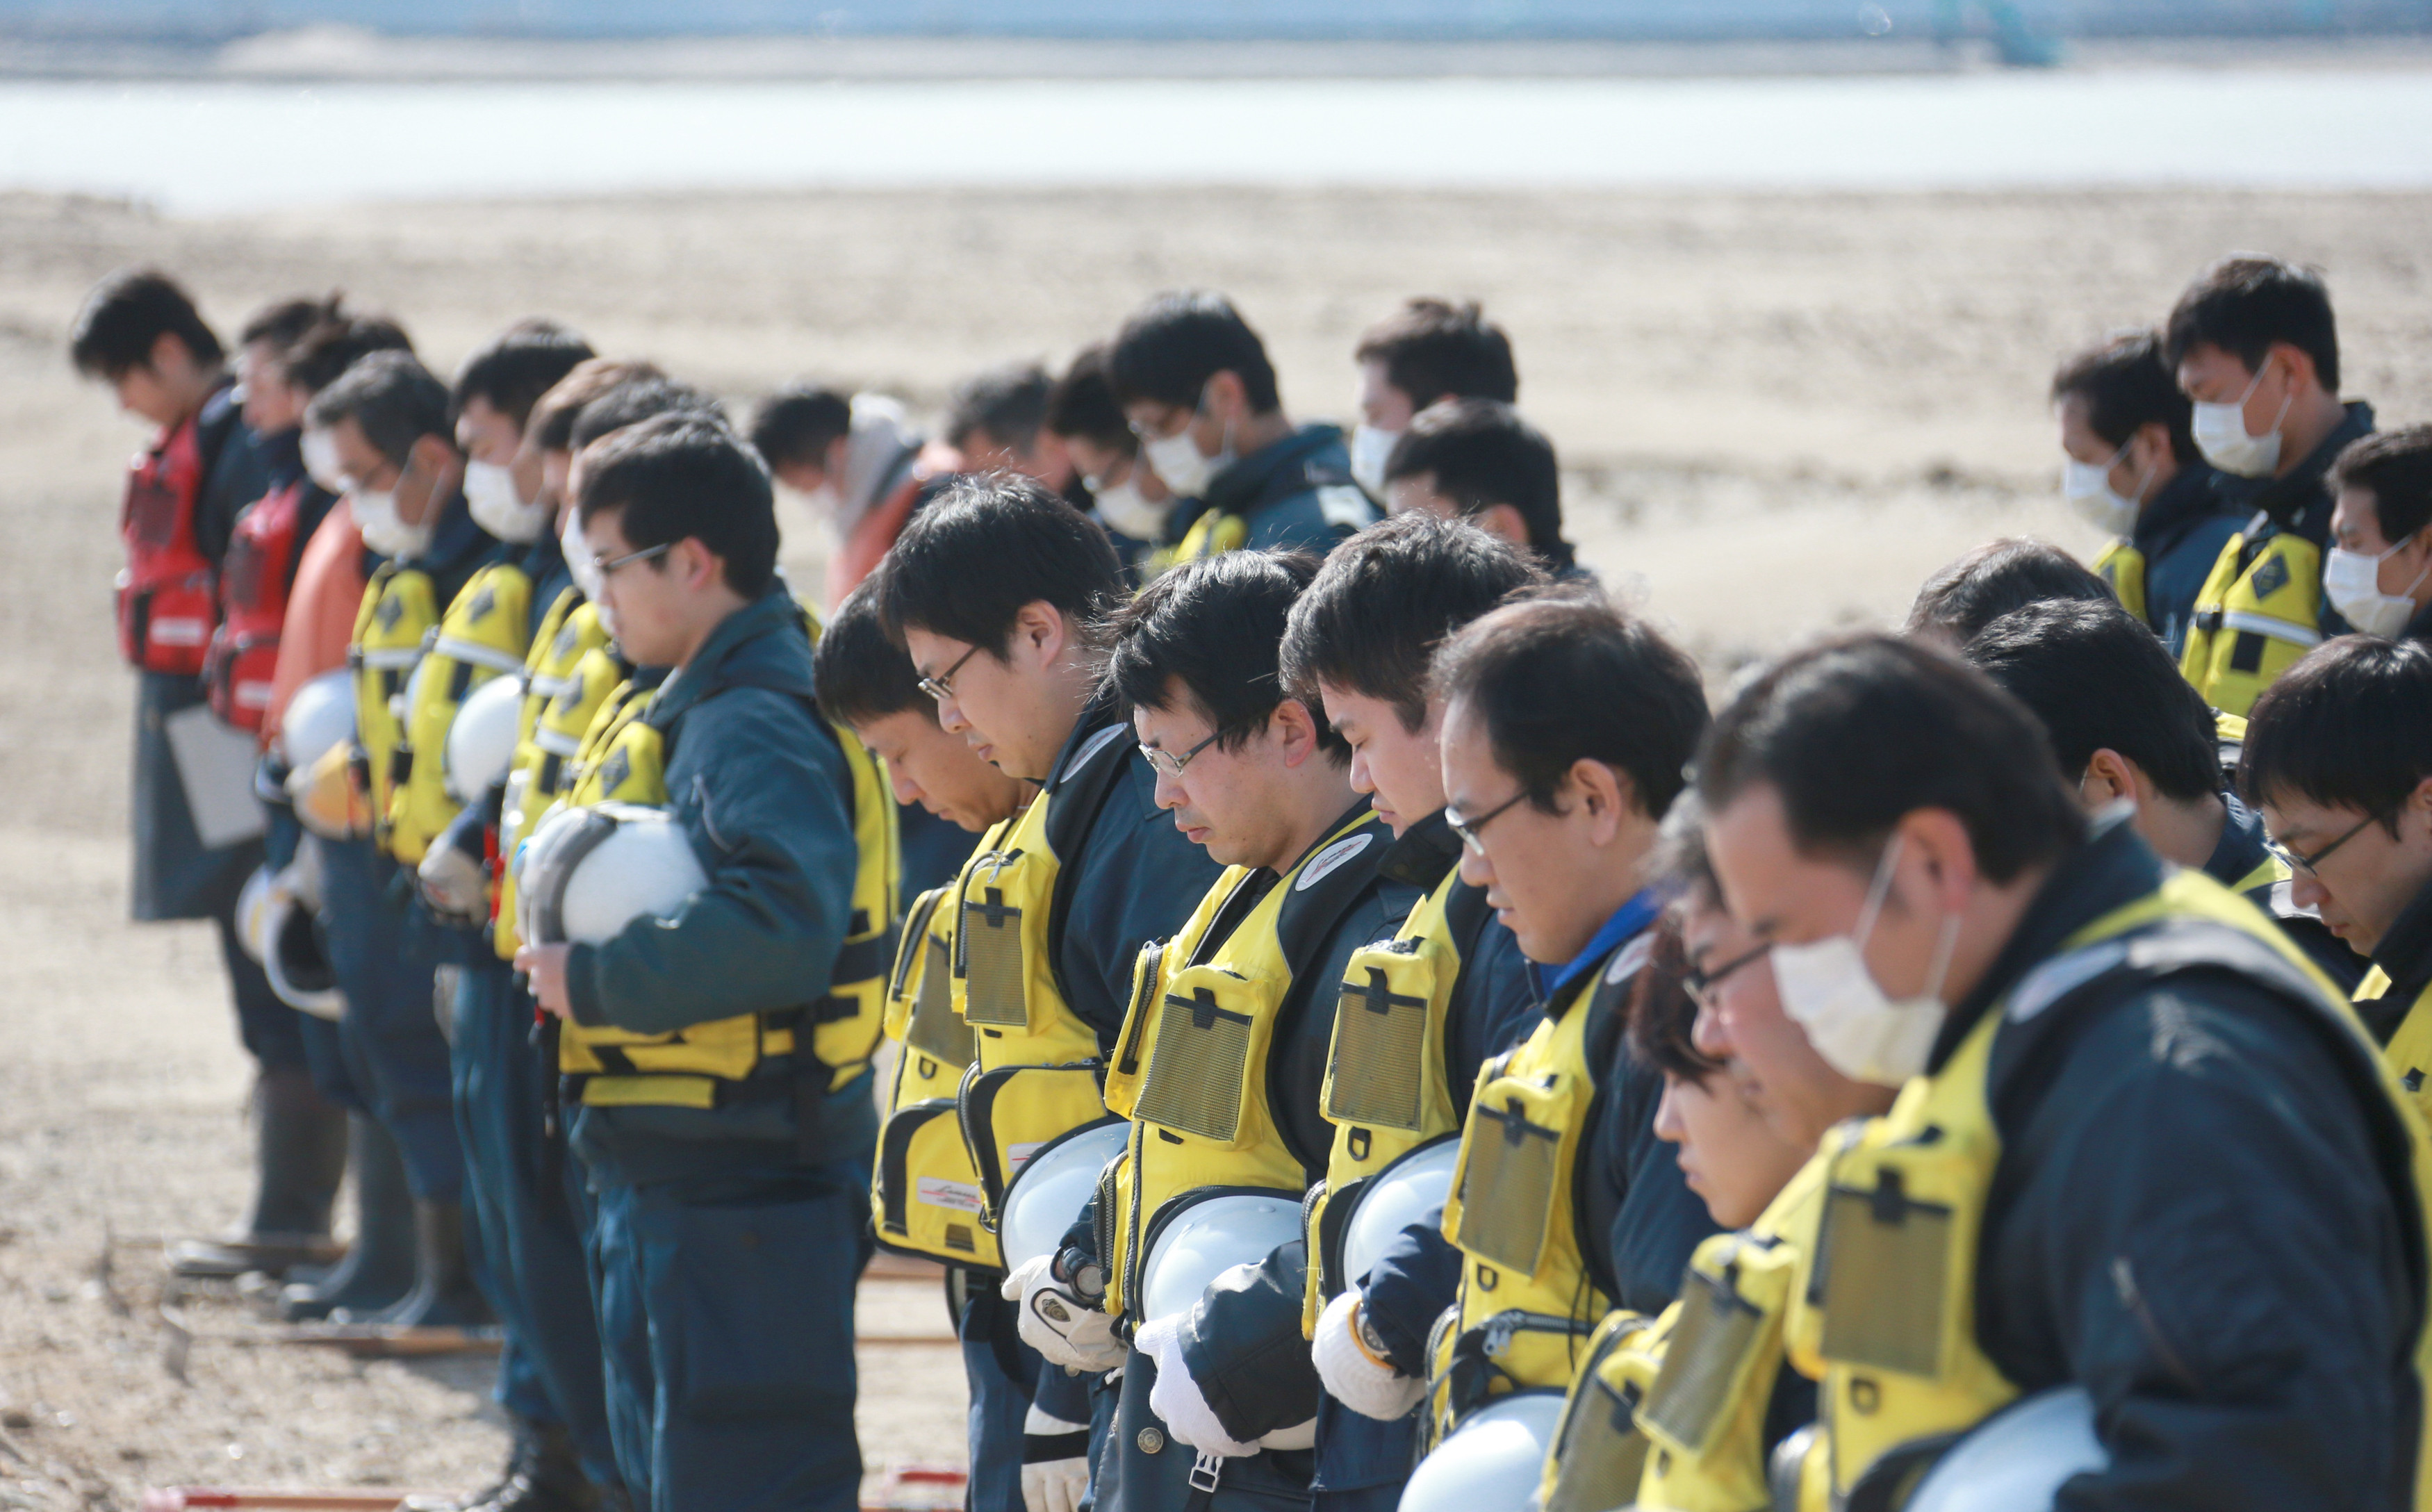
{"type": "Point", "coordinates": [1203, 1472]}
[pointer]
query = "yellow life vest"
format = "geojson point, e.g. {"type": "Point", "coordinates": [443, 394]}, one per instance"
{"type": "Point", "coordinates": [1890, 1323]}
{"type": "Point", "coordinates": [2408, 1054]}
{"type": "Point", "coordinates": [624, 760]}
{"type": "Point", "coordinates": [398, 610]}
{"type": "Point", "coordinates": [569, 673]}
{"type": "Point", "coordinates": [1598, 1455]}
{"type": "Point", "coordinates": [924, 1196]}
{"type": "Point", "coordinates": [1527, 1302]}
{"type": "Point", "coordinates": [2260, 611]}
{"type": "Point", "coordinates": [2123, 567]}
{"type": "Point", "coordinates": [1190, 1070]}
{"type": "Point", "coordinates": [1035, 1074]}
{"type": "Point", "coordinates": [483, 635]}
{"type": "Point", "coordinates": [1385, 1090]}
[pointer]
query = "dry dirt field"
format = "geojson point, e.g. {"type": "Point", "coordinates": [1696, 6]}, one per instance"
{"type": "Point", "coordinates": [1779, 413]}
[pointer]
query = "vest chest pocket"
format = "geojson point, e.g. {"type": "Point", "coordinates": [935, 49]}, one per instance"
{"type": "Point", "coordinates": [935, 1030]}
{"type": "Point", "coordinates": [1599, 1455]}
{"type": "Point", "coordinates": [1714, 1344]}
{"type": "Point", "coordinates": [1200, 1054]}
{"type": "Point", "coordinates": [1891, 1263]}
{"type": "Point", "coordinates": [1510, 1169]}
{"type": "Point", "coordinates": [989, 943]}
{"type": "Point", "coordinates": [1377, 1073]}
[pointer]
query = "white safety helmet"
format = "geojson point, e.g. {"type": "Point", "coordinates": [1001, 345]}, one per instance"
{"type": "Point", "coordinates": [296, 954]}
{"type": "Point", "coordinates": [1196, 1245]}
{"type": "Point", "coordinates": [2016, 1460]}
{"type": "Point", "coordinates": [253, 914]}
{"type": "Point", "coordinates": [589, 872]}
{"type": "Point", "coordinates": [1494, 1462]}
{"type": "Point", "coordinates": [1411, 1190]}
{"type": "Point", "coordinates": [319, 715]}
{"type": "Point", "coordinates": [481, 738]}
{"type": "Point", "coordinates": [1049, 1191]}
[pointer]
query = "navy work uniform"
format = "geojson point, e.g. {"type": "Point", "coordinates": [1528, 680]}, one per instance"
{"type": "Point", "coordinates": [1295, 493]}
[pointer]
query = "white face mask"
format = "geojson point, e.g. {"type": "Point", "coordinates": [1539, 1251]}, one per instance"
{"type": "Point", "coordinates": [2088, 488]}
{"type": "Point", "coordinates": [384, 530]}
{"type": "Point", "coordinates": [1826, 990]}
{"type": "Point", "coordinates": [321, 462]}
{"type": "Point", "coordinates": [2220, 435]}
{"type": "Point", "coordinates": [2353, 581]}
{"type": "Point", "coordinates": [497, 507]}
{"type": "Point", "coordinates": [1371, 449]}
{"type": "Point", "coordinates": [1126, 510]}
{"type": "Point", "coordinates": [577, 556]}
{"type": "Point", "coordinates": [1177, 461]}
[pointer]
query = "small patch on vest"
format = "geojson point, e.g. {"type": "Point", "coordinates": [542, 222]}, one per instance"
{"type": "Point", "coordinates": [483, 603]}
{"type": "Point", "coordinates": [939, 1192]}
{"type": "Point", "coordinates": [1090, 748]}
{"type": "Point", "coordinates": [2271, 576]}
{"type": "Point", "coordinates": [615, 770]}
{"type": "Point", "coordinates": [1330, 859]}
{"type": "Point", "coordinates": [2062, 974]}
{"type": "Point", "coordinates": [391, 610]}
{"type": "Point", "coordinates": [563, 646]}
{"type": "Point", "coordinates": [572, 698]}
{"type": "Point", "coordinates": [1630, 958]}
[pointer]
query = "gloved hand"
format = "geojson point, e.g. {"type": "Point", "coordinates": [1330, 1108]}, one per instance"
{"type": "Point", "coordinates": [1058, 1324]}
{"type": "Point", "coordinates": [1355, 1372]}
{"type": "Point", "coordinates": [329, 796]}
{"type": "Point", "coordinates": [454, 881]}
{"type": "Point", "coordinates": [1055, 1463]}
{"type": "Point", "coordinates": [1176, 1398]}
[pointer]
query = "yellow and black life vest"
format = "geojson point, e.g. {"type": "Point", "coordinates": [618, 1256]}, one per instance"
{"type": "Point", "coordinates": [569, 673]}
{"type": "Point", "coordinates": [398, 610]}
{"type": "Point", "coordinates": [1034, 1073]}
{"type": "Point", "coordinates": [2408, 1054]}
{"type": "Point", "coordinates": [1889, 1325]}
{"type": "Point", "coordinates": [924, 1196]}
{"type": "Point", "coordinates": [2261, 610]}
{"type": "Point", "coordinates": [1598, 1455]}
{"type": "Point", "coordinates": [1386, 1088]}
{"type": "Point", "coordinates": [1528, 1299]}
{"type": "Point", "coordinates": [2123, 567]}
{"type": "Point", "coordinates": [624, 760]}
{"type": "Point", "coordinates": [1190, 1067]}
{"type": "Point", "coordinates": [483, 635]}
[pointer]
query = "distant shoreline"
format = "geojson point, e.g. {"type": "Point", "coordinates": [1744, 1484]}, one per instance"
{"type": "Point", "coordinates": [337, 54]}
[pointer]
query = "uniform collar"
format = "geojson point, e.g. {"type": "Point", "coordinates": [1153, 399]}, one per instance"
{"type": "Point", "coordinates": [731, 644]}
{"type": "Point", "coordinates": [2291, 502]}
{"type": "Point", "coordinates": [1271, 472]}
{"type": "Point", "coordinates": [2114, 866]}
{"type": "Point", "coordinates": [2240, 847]}
{"type": "Point", "coordinates": [455, 538]}
{"type": "Point", "coordinates": [1088, 736]}
{"type": "Point", "coordinates": [2405, 953]}
{"type": "Point", "coordinates": [1618, 930]}
{"type": "Point", "coordinates": [1423, 854]}
{"type": "Point", "coordinates": [2191, 494]}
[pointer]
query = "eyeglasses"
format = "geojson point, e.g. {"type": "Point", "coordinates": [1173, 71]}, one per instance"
{"type": "Point", "coordinates": [941, 687]}
{"type": "Point", "coordinates": [2299, 861]}
{"type": "Point", "coordinates": [606, 566]}
{"type": "Point", "coordinates": [1468, 829]}
{"type": "Point", "coordinates": [1700, 985]}
{"type": "Point", "coordinates": [1171, 765]}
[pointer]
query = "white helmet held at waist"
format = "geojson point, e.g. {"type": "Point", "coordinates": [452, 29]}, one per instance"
{"type": "Point", "coordinates": [1195, 1245]}
{"type": "Point", "coordinates": [1411, 1190]}
{"type": "Point", "coordinates": [589, 872]}
{"type": "Point", "coordinates": [295, 952]}
{"type": "Point", "coordinates": [2016, 1460]}
{"type": "Point", "coordinates": [481, 738]}
{"type": "Point", "coordinates": [1048, 1192]}
{"type": "Point", "coordinates": [253, 914]}
{"type": "Point", "coordinates": [319, 716]}
{"type": "Point", "coordinates": [1494, 1462]}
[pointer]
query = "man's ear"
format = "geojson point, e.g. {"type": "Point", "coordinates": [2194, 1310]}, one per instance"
{"type": "Point", "coordinates": [2109, 777]}
{"type": "Point", "coordinates": [1296, 729]}
{"type": "Point", "coordinates": [169, 355]}
{"type": "Point", "coordinates": [1503, 520]}
{"type": "Point", "coordinates": [1228, 398]}
{"type": "Point", "coordinates": [1605, 793]}
{"type": "Point", "coordinates": [1935, 841]}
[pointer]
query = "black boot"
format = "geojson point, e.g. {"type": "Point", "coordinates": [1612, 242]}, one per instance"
{"type": "Point", "coordinates": [380, 1269]}
{"type": "Point", "coordinates": [444, 1295]}
{"type": "Point", "coordinates": [543, 1474]}
{"type": "Point", "coordinates": [299, 1157]}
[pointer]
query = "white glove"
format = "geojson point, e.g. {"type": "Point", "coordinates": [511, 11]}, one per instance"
{"type": "Point", "coordinates": [1060, 1325]}
{"type": "Point", "coordinates": [1052, 1484]}
{"type": "Point", "coordinates": [454, 884]}
{"type": "Point", "coordinates": [1353, 1373]}
{"type": "Point", "coordinates": [1176, 1398]}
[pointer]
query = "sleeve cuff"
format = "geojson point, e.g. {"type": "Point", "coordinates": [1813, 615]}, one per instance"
{"type": "Point", "coordinates": [581, 988]}
{"type": "Point", "coordinates": [1062, 1394]}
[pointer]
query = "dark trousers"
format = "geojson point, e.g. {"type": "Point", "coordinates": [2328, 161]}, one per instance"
{"type": "Point", "coordinates": [531, 1213]}
{"type": "Point", "coordinates": [1000, 1397]}
{"type": "Point", "coordinates": [726, 1315]}
{"type": "Point", "coordinates": [394, 1048]}
{"type": "Point", "coordinates": [1143, 1468]}
{"type": "Point", "coordinates": [1362, 1464]}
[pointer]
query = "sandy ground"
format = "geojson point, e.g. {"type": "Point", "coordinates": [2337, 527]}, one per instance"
{"type": "Point", "coordinates": [1779, 413]}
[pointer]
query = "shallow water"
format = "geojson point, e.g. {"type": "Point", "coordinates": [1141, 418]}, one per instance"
{"type": "Point", "coordinates": [204, 148]}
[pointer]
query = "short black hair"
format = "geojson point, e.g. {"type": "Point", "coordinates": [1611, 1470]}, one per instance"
{"type": "Point", "coordinates": [1962, 598]}
{"type": "Point", "coordinates": [1433, 349]}
{"type": "Point", "coordinates": [2126, 387]}
{"type": "Point", "coordinates": [550, 424]}
{"type": "Point", "coordinates": [1662, 1017]}
{"type": "Point", "coordinates": [1480, 453]}
{"type": "Point", "coordinates": [2246, 304]}
{"type": "Point", "coordinates": [1084, 404]}
{"type": "Point", "coordinates": [391, 398]}
{"type": "Point", "coordinates": [2349, 727]}
{"type": "Point", "coordinates": [860, 674]}
{"type": "Point", "coordinates": [519, 365]}
{"type": "Point", "coordinates": [1566, 677]}
{"type": "Point", "coordinates": [1384, 601]}
{"type": "Point", "coordinates": [126, 316]}
{"type": "Point", "coordinates": [631, 403]}
{"type": "Point", "coordinates": [1006, 404]}
{"type": "Point", "coordinates": [799, 422]}
{"type": "Point", "coordinates": [282, 323]}
{"type": "Point", "coordinates": [2098, 679]}
{"type": "Point", "coordinates": [684, 475]}
{"type": "Point", "coordinates": [322, 355]}
{"type": "Point", "coordinates": [1856, 733]}
{"type": "Point", "coordinates": [1216, 626]}
{"type": "Point", "coordinates": [1682, 866]}
{"type": "Point", "coordinates": [989, 544]}
{"type": "Point", "coordinates": [1168, 350]}
{"type": "Point", "coordinates": [2395, 467]}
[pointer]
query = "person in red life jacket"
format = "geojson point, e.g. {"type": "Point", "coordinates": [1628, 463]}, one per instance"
{"type": "Point", "coordinates": [860, 461]}
{"type": "Point", "coordinates": [197, 836]}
